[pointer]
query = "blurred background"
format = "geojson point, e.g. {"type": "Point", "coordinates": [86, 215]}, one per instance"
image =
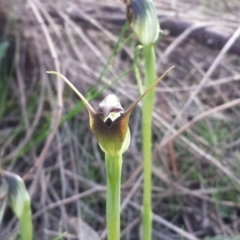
{"type": "Point", "coordinates": [44, 129]}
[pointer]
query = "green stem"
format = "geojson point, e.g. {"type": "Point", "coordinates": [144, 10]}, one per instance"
{"type": "Point", "coordinates": [136, 69]}
{"type": "Point", "coordinates": [147, 111]}
{"type": "Point", "coordinates": [113, 170]}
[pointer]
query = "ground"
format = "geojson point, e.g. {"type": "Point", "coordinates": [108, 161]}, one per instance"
{"type": "Point", "coordinates": [44, 129]}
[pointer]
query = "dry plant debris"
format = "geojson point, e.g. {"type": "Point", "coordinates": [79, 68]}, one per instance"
{"type": "Point", "coordinates": [43, 133]}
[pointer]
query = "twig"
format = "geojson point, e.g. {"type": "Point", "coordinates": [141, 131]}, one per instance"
{"type": "Point", "coordinates": [198, 118]}
{"type": "Point", "coordinates": [69, 200]}
{"type": "Point", "coordinates": [205, 79]}
{"type": "Point", "coordinates": [182, 37]}
{"type": "Point", "coordinates": [58, 111]}
{"type": "Point", "coordinates": [169, 225]}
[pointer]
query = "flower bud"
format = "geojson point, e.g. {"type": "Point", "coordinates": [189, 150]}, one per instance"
{"type": "Point", "coordinates": [20, 200]}
{"type": "Point", "coordinates": [20, 203]}
{"type": "Point", "coordinates": [143, 19]}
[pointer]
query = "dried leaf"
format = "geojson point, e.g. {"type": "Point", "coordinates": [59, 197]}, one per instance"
{"type": "Point", "coordinates": [83, 230]}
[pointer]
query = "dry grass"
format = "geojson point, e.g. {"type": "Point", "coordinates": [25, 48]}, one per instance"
{"type": "Point", "coordinates": [45, 138]}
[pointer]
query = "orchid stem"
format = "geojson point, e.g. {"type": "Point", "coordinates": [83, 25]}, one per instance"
{"type": "Point", "coordinates": [113, 170]}
{"type": "Point", "coordinates": [147, 111]}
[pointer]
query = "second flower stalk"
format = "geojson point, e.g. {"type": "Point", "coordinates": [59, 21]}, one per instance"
{"type": "Point", "coordinates": [143, 19]}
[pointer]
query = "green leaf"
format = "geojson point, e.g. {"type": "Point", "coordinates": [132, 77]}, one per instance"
{"type": "Point", "coordinates": [3, 49]}
{"type": "Point", "coordinates": [60, 236]}
{"type": "Point", "coordinates": [20, 203]}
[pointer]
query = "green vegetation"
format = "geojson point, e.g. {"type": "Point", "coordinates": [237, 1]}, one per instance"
{"type": "Point", "coordinates": [62, 168]}
{"type": "Point", "coordinates": [20, 203]}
